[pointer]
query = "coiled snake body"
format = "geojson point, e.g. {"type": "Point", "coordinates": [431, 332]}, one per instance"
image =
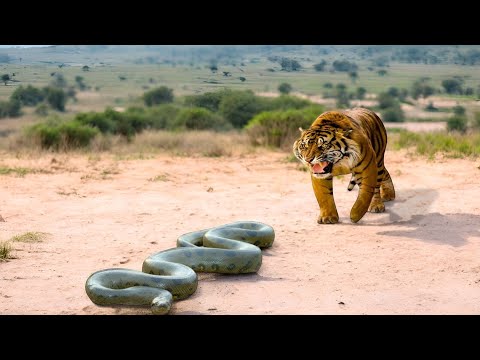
{"type": "Point", "coordinates": [171, 274]}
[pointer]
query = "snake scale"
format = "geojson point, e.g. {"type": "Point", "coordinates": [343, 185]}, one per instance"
{"type": "Point", "coordinates": [171, 274]}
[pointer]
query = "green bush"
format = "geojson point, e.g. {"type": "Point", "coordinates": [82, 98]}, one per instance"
{"type": "Point", "coordinates": [200, 119]}
{"type": "Point", "coordinates": [56, 135]}
{"type": "Point", "coordinates": [386, 100]}
{"type": "Point", "coordinates": [76, 135]}
{"type": "Point", "coordinates": [42, 109]}
{"type": "Point", "coordinates": [459, 110]}
{"type": "Point", "coordinates": [457, 123]}
{"type": "Point", "coordinates": [97, 120]}
{"type": "Point", "coordinates": [10, 108]}
{"type": "Point", "coordinates": [285, 88]}
{"type": "Point", "coordinates": [280, 128]}
{"type": "Point", "coordinates": [393, 114]}
{"type": "Point", "coordinates": [162, 116]}
{"type": "Point", "coordinates": [208, 100]}
{"type": "Point", "coordinates": [28, 96]}
{"type": "Point", "coordinates": [286, 102]}
{"type": "Point", "coordinates": [160, 95]}
{"type": "Point", "coordinates": [238, 107]}
{"type": "Point", "coordinates": [55, 97]}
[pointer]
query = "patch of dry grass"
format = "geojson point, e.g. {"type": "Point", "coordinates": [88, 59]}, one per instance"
{"type": "Point", "coordinates": [30, 237]}
{"type": "Point", "coordinates": [188, 143]}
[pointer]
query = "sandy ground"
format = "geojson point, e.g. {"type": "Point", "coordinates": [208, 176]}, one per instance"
{"type": "Point", "coordinates": [420, 257]}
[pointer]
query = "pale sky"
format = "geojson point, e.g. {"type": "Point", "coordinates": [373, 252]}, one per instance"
{"type": "Point", "coordinates": [9, 46]}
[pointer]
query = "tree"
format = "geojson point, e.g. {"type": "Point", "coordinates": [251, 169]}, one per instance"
{"type": "Point", "coordinates": [59, 81]}
{"type": "Point", "coordinates": [421, 88]}
{"type": "Point", "coordinates": [213, 68]}
{"type": "Point", "coordinates": [79, 80]}
{"type": "Point", "coordinates": [238, 107]}
{"type": "Point", "coordinates": [393, 114]}
{"type": "Point", "coordinates": [382, 72]}
{"type": "Point", "coordinates": [343, 99]}
{"type": "Point", "coordinates": [242, 79]}
{"type": "Point", "coordinates": [285, 88]}
{"type": "Point", "coordinates": [160, 95]}
{"type": "Point", "coordinates": [457, 123]}
{"type": "Point", "coordinates": [452, 86]}
{"type": "Point", "coordinates": [86, 68]}
{"type": "Point", "coordinates": [344, 66]}
{"type": "Point", "coordinates": [28, 96]}
{"type": "Point", "coordinates": [361, 92]}
{"type": "Point", "coordinates": [56, 97]}
{"type": "Point", "coordinates": [288, 64]}
{"type": "Point", "coordinates": [385, 100]}
{"type": "Point", "coordinates": [320, 66]}
{"type": "Point", "coordinates": [459, 110]}
{"type": "Point", "coordinates": [5, 78]}
{"type": "Point", "coordinates": [353, 76]}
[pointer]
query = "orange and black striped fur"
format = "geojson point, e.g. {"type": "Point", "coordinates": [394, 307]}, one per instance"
{"type": "Point", "coordinates": [342, 142]}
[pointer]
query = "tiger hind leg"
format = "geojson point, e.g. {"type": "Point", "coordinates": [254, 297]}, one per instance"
{"type": "Point", "coordinates": [387, 190]}
{"type": "Point", "coordinates": [376, 205]}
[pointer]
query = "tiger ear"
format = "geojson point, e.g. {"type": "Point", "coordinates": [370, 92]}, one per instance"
{"type": "Point", "coordinates": [301, 130]}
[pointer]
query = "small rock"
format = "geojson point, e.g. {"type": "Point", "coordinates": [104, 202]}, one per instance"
{"type": "Point", "coordinates": [211, 309]}
{"type": "Point", "coordinates": [341, 303]}
{"type": "Point", "coordinates": [2, 219]}
{"type": "Point", "coordinates": [210, 189]}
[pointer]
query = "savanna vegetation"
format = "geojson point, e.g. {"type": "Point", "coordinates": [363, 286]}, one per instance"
{"type": "Point", "coordinates": [134, 93]}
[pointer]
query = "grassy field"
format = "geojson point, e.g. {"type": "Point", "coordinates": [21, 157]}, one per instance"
{"type": "Point", "coordinates": [107, 88]}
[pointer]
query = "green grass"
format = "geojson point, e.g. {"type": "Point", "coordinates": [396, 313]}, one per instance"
{"type": "Point", "coordinates": [5, 251]}
{"type": "Point", "coordinates": [452, 145]}
{"type": "Point", "coordinates": [30, 237]}
{"type": "Point", "coordinates": [21, 171]}
{"type": "Point", "coordinates": [191, 80]}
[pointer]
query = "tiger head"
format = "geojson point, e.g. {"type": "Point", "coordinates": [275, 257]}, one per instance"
{"type": "Point", "coordinates": [327, 150]}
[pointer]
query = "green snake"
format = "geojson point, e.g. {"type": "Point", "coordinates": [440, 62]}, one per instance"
{"type": "Point", "coordinates": [171, 274]}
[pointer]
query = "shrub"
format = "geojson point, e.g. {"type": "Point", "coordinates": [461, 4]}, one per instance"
{"type": "Point", "coordinates": [280, 128]}
{"type": "Point", "coordinates": [238, 107]}
{"type": "Point", "coordinates": [61, 136]}
{"type": "Point", "coordinates": [386, 100]}
{"type": "Point", "coordinates": [285, 102]}
{"type": "Point", "coordinates": [42, 110]}
{"type": "Point", "coordinates": [459, 110]}
{"type": "Point", "coordinates": [208, 100]}
{"type": "Point", "coordinates": [28, 96]}
{"type": "Point", "coordinates": [55, 97]}
{"type": "Point", "coordinates": [393, 114]}
{"type": "Point", "coordinates": [457, 123]}
{"type": "Point", "coordinates": [97, 120]}
{"type": "Point", "coordinates": [158, 96]}
{"type": "Point", "coordinates": [200, 119]}
{"type": "Point", "coordinates": [10, 108]}
{"type": "Point", "coordinates": [361, 92]}
{"type": "Point", "coordinates": [285, 88]}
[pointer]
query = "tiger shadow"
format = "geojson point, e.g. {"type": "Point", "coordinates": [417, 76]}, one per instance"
{"type": "Point", "coordinates": [411, 209]}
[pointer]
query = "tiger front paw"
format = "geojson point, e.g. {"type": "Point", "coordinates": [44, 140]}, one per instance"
{"type": "Point", "coordinates": [333, 219]}
{"type": "Point", "coordinates": [377, 207]}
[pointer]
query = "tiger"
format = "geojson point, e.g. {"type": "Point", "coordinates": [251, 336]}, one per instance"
{"type": "Point", "coordinates": [341, 142]}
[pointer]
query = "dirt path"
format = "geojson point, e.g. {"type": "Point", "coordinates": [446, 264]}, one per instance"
{"type": "Point", "coordinates": [420, 257]}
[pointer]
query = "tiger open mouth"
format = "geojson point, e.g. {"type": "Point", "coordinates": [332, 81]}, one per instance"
{"type": "Point", "coordinates": [324, 167]}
